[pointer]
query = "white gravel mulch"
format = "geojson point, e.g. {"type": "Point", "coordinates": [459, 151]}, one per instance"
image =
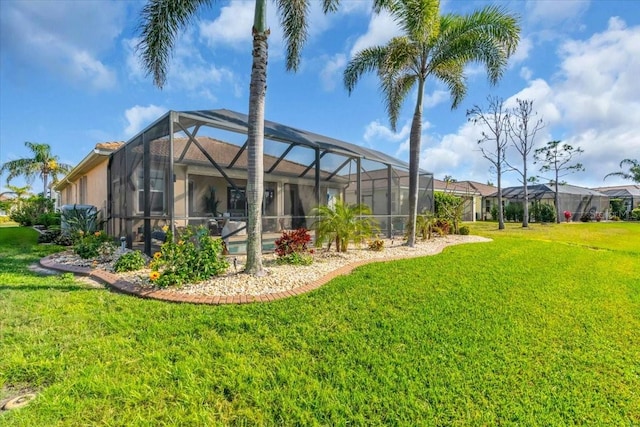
{"type": "Point", "coordinates": [281, 277]}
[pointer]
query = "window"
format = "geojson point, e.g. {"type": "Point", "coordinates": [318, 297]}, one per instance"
{"type": "Point", "coordinates": [83, 190]}
{"type": "Point", "coordinates": [156, 187]}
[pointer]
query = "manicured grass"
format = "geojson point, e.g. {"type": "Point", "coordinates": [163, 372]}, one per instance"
{"type": "Point", "coordinates": [538, 327]}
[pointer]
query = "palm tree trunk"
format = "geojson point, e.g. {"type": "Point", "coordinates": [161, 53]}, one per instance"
{"type": "Point", "coordinates": [255, 143]}
{"type": "Point", "coordinates": [45, 181]}
{"type": "Point", "coordinates": [414, 165]}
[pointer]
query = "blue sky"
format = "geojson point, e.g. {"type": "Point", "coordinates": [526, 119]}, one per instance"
{"type": "Point", "coordinates": [70, 77]}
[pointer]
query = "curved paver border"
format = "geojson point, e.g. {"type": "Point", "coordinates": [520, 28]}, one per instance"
{"type": "Point", "coordinates": [116, 283]}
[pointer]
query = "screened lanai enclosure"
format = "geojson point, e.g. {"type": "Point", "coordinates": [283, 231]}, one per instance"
{"type": "Point", "coordinates": [190, 169]}
{"type": "Point", "coordinates": [577, 200]}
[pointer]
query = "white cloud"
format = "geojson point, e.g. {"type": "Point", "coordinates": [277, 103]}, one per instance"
{"type": "Point", "coordinates": [138, 117]}
{"type": "Point", "coordinates": [232, 27]}
{"type": "Point", "coordinates": [382, 28]}
{"type": "Point", "coordinates": [331, 73]}
{"type": "Point", "coordinates": [66, 38]}
{"type": "Point", "coordinates": [437, 97]}
{"type": "Point", "coordinates": [592, 102]}
{"type": "Point", "coordinates": [377, 131]}
{"type": "Point", "coordinates": [553, 12]}
{"type": "Point", "coordinates": [522, 51]}
{"type": "Point", "coordinates": [526, 73]}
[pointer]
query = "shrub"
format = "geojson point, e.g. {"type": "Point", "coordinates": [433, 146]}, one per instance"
{"type": "Point", "coordinates": [615, 218]}
{"type": "Point", "coordinates": [95, 245]}
{"type": "Point", "coordinates": [376, 245]}
{"type": "Point", "coordinates": [130, 261]}
{"type": "Point", "coordinates": [543, 212]}
{"type": "Point", "coordinates": [49, 236]}
{"type": "Point", "coordinates": [494, 212]}
{"type": "Point", "coordinates": [292, 242]}
{"type": "Point", "coordinates": [442, 226]}
{"type": "Point", "coordinates": [49, 219]}
{"type": "Point", "coordinates": [195, 257]}
{"type": "Point", "coordinates": [585, 217]}
{"type": "Point", "coordinates": [4, 218]}
{"type": "Point", "coordinates": [64, 240]}
{"type": "Point", "coordinates": [464, 230]}
{"type": "Point", "coordinates": [295, 258]}
{"type": "Point", "coordinates": [635, 214]}
{"type": "Point", "coordinates": [425, 224]}
{"type": "Point", "coordinates": [514, 211]}
{"type": "Point", "coordinates": [31, 210]}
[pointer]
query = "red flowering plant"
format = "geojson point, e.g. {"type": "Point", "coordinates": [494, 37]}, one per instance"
{"type": "Point", "coordinates": [567, 215]}
{"type": "Point", "coordinates": [291, 247]}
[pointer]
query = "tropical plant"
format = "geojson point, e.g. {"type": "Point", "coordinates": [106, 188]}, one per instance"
{"type": "Point", "coordinates": [425, 224]}
{"type": "Point", "coordinates": [18, 194]}
{"type": "Point", "coordinates": [78, 221]}
{"type": "Point", "coordinates": [95, 245]}
{"type": "Point", "coordinates": [634, 170]}
{"type": "Point", "coordinates": [291, 247]}
{"type": "Point", "coordinates": [557, 158]}
{"type": "Point", "coordinates": [438, 47]}
{"type": "Point", "coordinates": [43, 164]}
{"type": "Point", "coordinates": [211, 202]}
{"type": "Point", "coordinates": [343, 223]}
{"type": "Point", "coordinates": [130, 261]}
{"type": "Point", "coordinates": [163, 19]}
{"type": "Point", "coordinates": [195, 257]}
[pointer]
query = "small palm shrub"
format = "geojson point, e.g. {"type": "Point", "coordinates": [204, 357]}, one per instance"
{"type": "Point", "coordinates": [344, 223]}
{"type": "Point", "coordinates": [291, 247]}
{"type": "Point", "coordinates": [376, 245]}
{"type": "Point", "coordinates": [195, 257]}
{"type": "Point", "coordinates": [635, 214]}
{"type": "Point", "coordinates": [95, 245]}
{"type": "Point", "coordinates": [425, 224]}
{"type": "Point", "coordinates": [130, 261]}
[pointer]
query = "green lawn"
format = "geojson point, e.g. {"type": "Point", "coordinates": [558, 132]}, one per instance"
{"type": "Point", "coordinates": [538, 327]}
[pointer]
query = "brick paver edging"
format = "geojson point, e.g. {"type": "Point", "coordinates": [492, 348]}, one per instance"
{"type": "Point", "coordinates": [114, 282]}
{"type": "Point", "coordinates": [119, 285]}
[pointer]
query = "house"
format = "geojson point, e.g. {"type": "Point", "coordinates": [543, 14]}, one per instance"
{"type": "Point", "coordinates": [577, 200]}
{"type": "Point", "coordinates": [85, 184]}
{"type": "Point", "coordinates": [190, 168]}
{"type": "Point", "coordinates": [628, 197]}
{"type": "Point", "coordinates": [475, 194]}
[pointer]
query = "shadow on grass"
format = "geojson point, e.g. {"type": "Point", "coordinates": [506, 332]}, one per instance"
{"type": "Point", "coordinates": [66, 287]}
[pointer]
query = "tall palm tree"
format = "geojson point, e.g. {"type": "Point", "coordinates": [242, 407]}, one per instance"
{"type": "Point", "coordinates": [161, 22]}
{"type": "Point", "coordinates": [43, 164]}
{"type": "Point", "coordinates": [634, 171]}
{"type": "Point", "coordinates": [436, 46]}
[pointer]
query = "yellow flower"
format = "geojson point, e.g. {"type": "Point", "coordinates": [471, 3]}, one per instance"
{"type": "Point", "coordinates": [165, 228]}
{"type": "Point", "coordinates": [180, 242]}
{"type": "Point", "coordinates": [157, 255]}
{"type": "Point", "coordinates": [154, 275]}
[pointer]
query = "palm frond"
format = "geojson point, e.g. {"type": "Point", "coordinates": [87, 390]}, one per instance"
{"type": "Point", "coordinates": [293, 18]}
{"type": "Point", "coordinates": [452, 74]}
{"type": "Point", "coordinates": [160, 22]}
{"type": "Point", "coordinates": [367, 60]}
{"type": "Point", "coordinates": [395, 91]}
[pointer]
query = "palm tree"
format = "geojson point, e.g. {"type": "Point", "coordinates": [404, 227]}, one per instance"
{"type": "Point", "coordinates": [43, 164]}
{"type": "Point", "coordinates": [163, 19]}
{"type": "Point", "coordinates": [433, 46]}
{"type": "Point", "coordinates": [343, 223]}
{"type": "Point", "coordinates": [634, 171]}
{"type": "Point", "coordinates": [19, 194]}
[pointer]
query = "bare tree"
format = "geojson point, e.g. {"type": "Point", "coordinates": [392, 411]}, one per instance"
{"type": "Point", "coordinates": [495, 119]}
{"type": "Point", "coordinates": [523, 127]}
{"type": "Point", "coordinates": [556, 158]}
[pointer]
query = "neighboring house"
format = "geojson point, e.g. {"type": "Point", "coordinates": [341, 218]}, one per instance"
{"type": "Point", "coordinates": [629, 195]}
{"type": "Point", "coordinates": [190, 168]}
{"type": "Point", "coordinates": [86, 183]}
{"type": "Point", "coordinates": [577, 200]}
{"type": "Point", "coordinates": [476, 196]}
